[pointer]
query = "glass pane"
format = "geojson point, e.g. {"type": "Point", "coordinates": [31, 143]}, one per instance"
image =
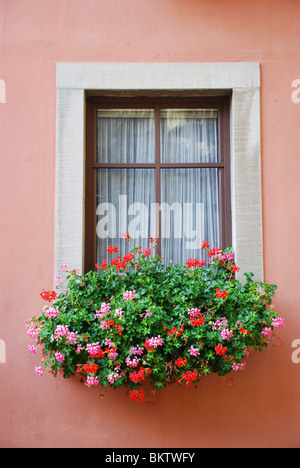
{"type": "Point", "coordinates": [124, 201]}
{"type": "Point", "coordinates": [125, 136]}
{"type": "Point", "coordinates": [189, 211]}
{"type": "Point", "coordinates": [189, 135]}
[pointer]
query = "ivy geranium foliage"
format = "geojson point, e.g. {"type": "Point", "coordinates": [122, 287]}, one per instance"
{"type": "Point", "coordinates": [138, 319]}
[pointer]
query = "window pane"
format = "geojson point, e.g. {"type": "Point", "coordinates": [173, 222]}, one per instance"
{"type": "Point", "coordinates": [189, 136]}
{"type": "Point", "coordinates": [190, 212]}
{"type": "Point", "coordinates": [125, 136]}
{"type": "Point", "coordinates": [124, 200]}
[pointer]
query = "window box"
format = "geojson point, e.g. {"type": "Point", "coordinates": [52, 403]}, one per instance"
{"type": "Point", "coordinates": [137, 319]}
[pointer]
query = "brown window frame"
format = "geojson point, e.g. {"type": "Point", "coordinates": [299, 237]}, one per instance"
{"type": "Point", "coordinates": [221, 103]}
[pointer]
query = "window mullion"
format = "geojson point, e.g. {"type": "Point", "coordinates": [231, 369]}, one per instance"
{"type": "Point", "coordinates": [157, 177]}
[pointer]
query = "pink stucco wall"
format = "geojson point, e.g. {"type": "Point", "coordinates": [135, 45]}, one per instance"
{"type": "Point", "coordinates": [262, 409]}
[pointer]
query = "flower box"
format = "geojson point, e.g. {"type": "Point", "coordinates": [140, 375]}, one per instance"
{"type": "Point", "coordinates": [136, 319]}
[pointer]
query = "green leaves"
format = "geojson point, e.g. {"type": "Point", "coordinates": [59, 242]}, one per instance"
{"type": "Point", "coordinates": [172, 327]}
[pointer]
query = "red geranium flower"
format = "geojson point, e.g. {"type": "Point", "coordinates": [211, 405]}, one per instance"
{"type": "Point", "coordinates": [90, 368]}
{"type": "Point", "coordinates": [111, 249]}
{"type": "Point", "coordinates": [221, 294]}
{"type": "Point", "coordinates": [200, 320]}
{"type": "Point", "coordinates": [220, 350]}
{"type": "Point", "coordinates": [137, 395]}
{"type": "Point", "coordinates": [181, 362]}
{"type": "Point", "coordinates": [204, 245]}
{"type": "Point", "coordinates": [48, 295]}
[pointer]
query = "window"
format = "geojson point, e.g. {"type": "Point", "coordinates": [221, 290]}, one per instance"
{"type": "Point", "coordinates": [238, 80]}
{"type": "Point", "coordinates": [157, 167]}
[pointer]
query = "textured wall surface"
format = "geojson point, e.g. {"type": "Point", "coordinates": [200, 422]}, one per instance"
{"type": "Point", "coordinates": [262, 407]}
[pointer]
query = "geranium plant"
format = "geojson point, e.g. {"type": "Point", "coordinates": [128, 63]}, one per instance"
{"type": "Point", "coordinates": [136, 319]}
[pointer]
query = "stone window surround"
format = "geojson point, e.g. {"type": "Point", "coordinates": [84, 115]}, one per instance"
{"type": "Point", "coordinates": [240, 79]}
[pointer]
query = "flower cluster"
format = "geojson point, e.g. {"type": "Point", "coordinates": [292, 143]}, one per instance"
{"type": "Point", "coordinates": [62, 331]}
{"type": "Point", "coordinates": [153, 342]}
{"type": "Point", "coordinates": [48, 295]}
{"type": "Point", "coordinates": [134, 319]}
{"type": "Point", "coordinates": [95, 351]}
{"type": "Point", "coordinates": [91, 381]}
{"type": "Point", "coordinates": [174, 332]}
{"type": "Point", "coordinates": [193, 351]}
{"type": "Point", "coordinates": [196, 318]}
{"type": "Point", "coordinates": [278, 322]}
{"type": "Point", "coordinates": [189, 377]}
{"type": "Point", "coordinates": [128, 295]}
{"type": "Point", "coordinates": [195, 263]}
{"type": "Point", "coordinates": [51, 312]}
{"type": "Point", "coordinates": [238, 366]}
{"type": "Point", "coordinates": [220, 350]}
{"type": "Point", "coordinates": [140, 375]}
{"type": "Point", "coordinates": [89, 368]}
{"type": "Point", "coordinates": [181, 362]}
{"type": "Point", "coordinates": [137, 395]}
{"type": "Point", "coordinates": [221, 294]}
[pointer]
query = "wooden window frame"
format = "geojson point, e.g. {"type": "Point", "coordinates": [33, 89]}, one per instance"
{"type": "Point", "coordinates": [156, 103]}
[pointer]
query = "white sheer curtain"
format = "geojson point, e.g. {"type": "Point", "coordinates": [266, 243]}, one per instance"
{"type": "Point", "coordinates": [124, 196]}
{"type": "Point", "coordinates": [125, 136]}
{"type": "Point", "coordinates": [189, 204]}
{"type": "Point", "coordinates": [189, 136]}
{"type": "Point", "coordinates": [190, 214]}
{"type": "Point", "coordinates": [124, 199]}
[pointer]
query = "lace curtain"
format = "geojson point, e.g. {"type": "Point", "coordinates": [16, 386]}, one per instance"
{"type": "Point", "coordinates": [126, 196]}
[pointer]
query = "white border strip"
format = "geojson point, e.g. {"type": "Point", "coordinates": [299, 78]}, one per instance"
{"type": "Point", "coordinates": [157, 76]}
